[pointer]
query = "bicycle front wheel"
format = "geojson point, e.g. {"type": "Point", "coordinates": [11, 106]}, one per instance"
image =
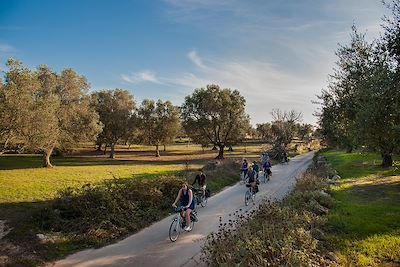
{"type": "Point", "coordinates": [174, 230]}
{"type": "Point", "coordinates": [247, 197]}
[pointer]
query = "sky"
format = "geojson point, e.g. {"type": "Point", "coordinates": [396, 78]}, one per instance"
{"type": "Point", "coordinates": [277, 53]}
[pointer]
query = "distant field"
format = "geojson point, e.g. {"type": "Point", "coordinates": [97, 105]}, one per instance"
{"type": "Point", "coordinates": [365, 223]}
{"type": "Point", "coordinates": [23, 180]}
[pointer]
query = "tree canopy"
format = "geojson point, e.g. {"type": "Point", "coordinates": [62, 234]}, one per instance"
{"type": "Point", "coordinates": [42, 110]}
{"type": "Point", "coordinates": [216, 116]}
{"type": "Point", "coordinates": [116, 109]}
{"type": "Point", "coordinates": [159, 123]}
{"type": "Point", "coordinates": [361, 106]}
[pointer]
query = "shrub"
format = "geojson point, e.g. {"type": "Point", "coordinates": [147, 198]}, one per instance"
{"type": "Point", "coordinates": [105, 212]}
{"type": "Point", "coordinates": [277, 234]}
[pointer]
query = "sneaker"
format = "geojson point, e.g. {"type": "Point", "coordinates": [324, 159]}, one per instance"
{"type": "Point", "coordinates": [188, 228]}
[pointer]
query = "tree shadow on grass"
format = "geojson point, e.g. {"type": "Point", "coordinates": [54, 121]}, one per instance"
{"type": "Point", "coordinates": [25, 162]}
{"type": "Point", "coordinates": [368, 207]}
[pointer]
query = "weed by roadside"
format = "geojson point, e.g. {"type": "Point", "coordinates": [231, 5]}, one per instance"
{"type": "Point", "coordinates": [288, 233]}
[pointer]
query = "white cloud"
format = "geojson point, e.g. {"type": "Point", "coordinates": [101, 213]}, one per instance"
{"type": "Point", "coordinates": [138, 77]}
{"type": "Point", "coordinates": [192, 55]}
{"type": "Point", "coordinates": [264, 85]}
{"type": "Point", "coordinates": [6, 49]}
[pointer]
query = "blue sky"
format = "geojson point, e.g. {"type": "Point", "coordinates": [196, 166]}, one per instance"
{"type": "Point", "coordinates": [277, 53]}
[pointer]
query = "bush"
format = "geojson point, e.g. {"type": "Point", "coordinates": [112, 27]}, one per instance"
{"type": "Point", "coordinates": [278, 234]}
{"type": "Point", "coordinates": [105, 212]}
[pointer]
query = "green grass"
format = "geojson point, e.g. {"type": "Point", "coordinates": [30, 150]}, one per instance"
{"type": "Point", "coordinates": [365, 223]}
{"type": "Point", "coordinates": [39, 184]}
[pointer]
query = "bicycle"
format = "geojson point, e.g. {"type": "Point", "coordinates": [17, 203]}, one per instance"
{"type": "Point", "coordinates": [249, 195]}
{"type": "Point", "coordinates": [201, 197]}
{"type": "Point", "coordinates": [242, 177]}
{"type": "Point", "coordinates": [178, 223]}
{"type": "Point", "coordinates": [266, 175]}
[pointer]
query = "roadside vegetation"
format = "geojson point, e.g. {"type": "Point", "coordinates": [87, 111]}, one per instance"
{"type": "Point", "coordinates": [364, 226]}
{"type": "Point", "coordinates": [286, 233]}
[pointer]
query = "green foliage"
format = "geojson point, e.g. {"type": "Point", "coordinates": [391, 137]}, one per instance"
{"type": "Point", "coordinates": [216, 116]}
{"type": "Point", "coordinates": [159, 123]}
{"type": "Point", "coordinates": [42, 110]}
{"type": "Point", "coordinates": [361, 106]}
{"type": "Point", "coordinates": [105, 212]}
{"type": "Point", "coordinates": [116, 110]}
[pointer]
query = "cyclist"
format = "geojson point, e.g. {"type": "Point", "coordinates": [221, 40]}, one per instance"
{"type": "Point", "coordinates": [245, 168]}
{"type": "Point", "coordinates": [185, 195]}
{"type": "Point", "coordinates": [285, 157]}
{"type": "Point", "coordinates": [251, 180]}
{"type": "Point", "coordinates": [267, 167]}
{"type": "Point", "coordinates": [201, 181]}
{"type": "Point", "coordinates": [256, 168]}
{"type": "Point", "coordinates": [264, 157]}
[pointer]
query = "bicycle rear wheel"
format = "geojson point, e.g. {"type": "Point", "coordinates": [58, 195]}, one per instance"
{"type": "Point", "coordinates": [203, 201]}
{"type": "Point", "coordinates": [247, 197]}
{"type": "Point", "coordinates": [174, 230]}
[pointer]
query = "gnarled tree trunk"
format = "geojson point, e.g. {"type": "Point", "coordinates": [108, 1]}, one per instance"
{"type": "Point", "coordinates": [112, 152]}
{"type": "Point", "coordinates": [157, 151]}
{"type": "Point", "coordinates": [387, 160]}
{"type": "Point", "coordinates": [220, 152]}
{"type": "Point", "coordinates": [46, 157]}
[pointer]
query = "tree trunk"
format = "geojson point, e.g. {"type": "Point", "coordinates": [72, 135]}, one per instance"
{"type": "Point", "coordinates": [157, 151]}
{"type": "Point", "coordinates": [98, 147]}
{"type": "Point", "coordinates": [387, 160]}
{"type": "Point", "coordinates": [349, 149]}
{"type": "Point", "coordinates": [112, 152]}
{"type": "Point", "coordinates": [221, 152]}
{"type": "Point", "coordinates": [105, 149]}
{"type": "Point", "coordinates": [46, 157]}
{"type": "Point", "coordinates": [165, 148]}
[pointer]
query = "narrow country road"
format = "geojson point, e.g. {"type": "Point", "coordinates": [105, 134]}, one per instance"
{"type": "Point", "coordinates": [152, 247]}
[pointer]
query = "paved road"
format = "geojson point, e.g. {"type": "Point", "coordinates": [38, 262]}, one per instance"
{"type": "Point", "coordinates": [152, 247]}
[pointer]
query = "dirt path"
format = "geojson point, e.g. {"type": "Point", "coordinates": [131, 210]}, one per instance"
{"type": "Point", "coordinates": [152, 247]}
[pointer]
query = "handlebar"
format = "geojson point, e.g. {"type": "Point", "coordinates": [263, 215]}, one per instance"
{"type": "Point", "coordinates": [179, 209]}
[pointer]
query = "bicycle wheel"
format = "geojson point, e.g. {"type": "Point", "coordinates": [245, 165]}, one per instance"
{"type": "Point", "coordinates": [247, 197]}
{"type": "Point", "coordinates": [203, 201]}
{"type": "Point", "coordinates": [174, 230]}
{"type": "Point", "coordinates": [192, 221]}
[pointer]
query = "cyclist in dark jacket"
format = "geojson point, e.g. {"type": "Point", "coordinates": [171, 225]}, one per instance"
{"type": "Point", "coordinates": [200, 179]}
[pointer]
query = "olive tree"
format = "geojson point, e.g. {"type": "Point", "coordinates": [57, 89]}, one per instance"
{"type": "Point", "coordinates": [48, 110]}
{"type": "Point", "coordinates": [116, 109]}
{"type": "Point", "coordinates": [217, 115]}
{"type": "Point", "coordinates": [159, 123]}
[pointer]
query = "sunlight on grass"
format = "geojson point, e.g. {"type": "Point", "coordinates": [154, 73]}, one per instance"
{"type": "Point", "coordinates": [365, 221]}
{"type": "Point", "coordinates": [37, 184]}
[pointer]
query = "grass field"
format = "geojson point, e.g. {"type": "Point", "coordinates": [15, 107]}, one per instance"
{"type": "Point", "coordinates": [365, 223]}
{"type": "Point", "coordinates": [23, 180]}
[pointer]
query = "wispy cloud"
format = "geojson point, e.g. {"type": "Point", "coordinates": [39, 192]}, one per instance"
{"type": "Point", "coordinates": [192, 55]}
{"type": "Point", "coordinates": [6, 48]}
{"type": "Point", "coordinates": [139, 77]}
